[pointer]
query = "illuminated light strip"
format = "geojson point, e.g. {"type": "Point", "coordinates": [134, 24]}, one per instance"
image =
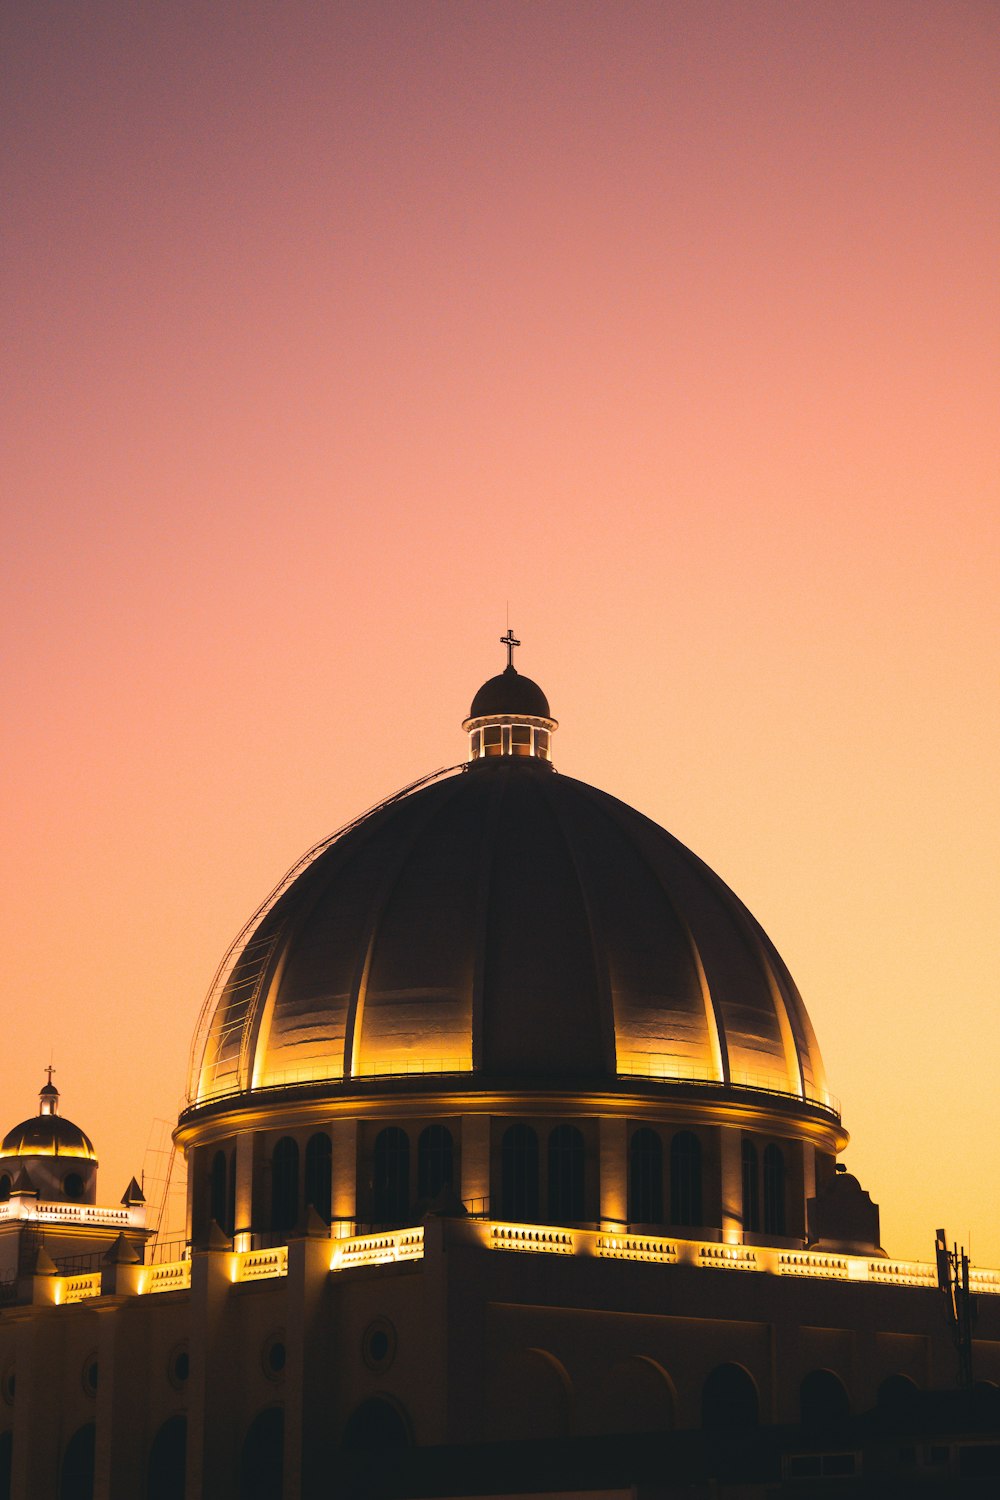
{"type": "Point", "coordinates": [902, 1273]}
{"type": "Point", "coordinates": [408, 1245]}
{"type": "Point", "coordinates": [728, 1258]}
{"type": "Point", "coordinates": [74, 1213]}
{"type": "Point", "coordinates": [546, 1238]}
{"type": "Point", "coordinates": [632, 1247]}
{"type": "Point", "coordinates": [261, 1265]}
{"type": "Point", "coordinates": [71, 1289]}
{"type": "Point", "coordinates": [378, 1249]}
{"type": "Point", "coordinates": [802, 1263]}
{"type": "Point", "coordinates": [168, 1276]}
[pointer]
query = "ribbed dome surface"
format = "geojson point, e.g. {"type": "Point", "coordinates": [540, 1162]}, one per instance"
{"type": "Point", "coordinates": [47, 1135]}
{"type": "Point", "coordinates": [510, 693]}
{"type": "Point", "coordinates": [514, 922]}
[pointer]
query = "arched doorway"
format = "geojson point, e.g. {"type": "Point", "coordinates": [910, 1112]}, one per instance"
{"type": "Point", "coordinates": [167, 1459]}
{"type": "Point", "coordinates": [376, 1425]}
{"type": "Point", "coordinates": [530, 1396]}
{"type": "Point", "coordinates": [823, 1401]}
{"type": "Point", "coordinates": [262, 1459]}
{"type": "Point", "coordinates": [638, 1396]}
{"type": "Point", "coordinates": [76, 1475]}
{"type": "Point", "coordinates": [729, 1400]}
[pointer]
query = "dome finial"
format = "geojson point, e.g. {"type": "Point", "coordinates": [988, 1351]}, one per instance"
{"type": "Point", "coordinates": [509, 641]}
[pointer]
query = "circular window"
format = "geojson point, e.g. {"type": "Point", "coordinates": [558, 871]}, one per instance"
{"type": "Point", "coordinates": [73, 1185]}
{"type": "Point", "coordinates": [89, 1375]}
{"type": "Point", "coordinates": [378, 1346]}
{"type": "Point", "coordinates": [8, 1385]}
{"type": "Point", "coordinates": [273, 1356]}
{"type": "Point", "coordinates": [178, 1366]}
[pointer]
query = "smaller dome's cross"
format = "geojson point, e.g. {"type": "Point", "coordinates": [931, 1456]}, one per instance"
{"type": "Point", "coordinates": [509, 641]}
{"type": "Point", "coordinates": [50, 1070]}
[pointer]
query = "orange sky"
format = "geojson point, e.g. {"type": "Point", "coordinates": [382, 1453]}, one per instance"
{"type": "Point", "coordinates": [329, 328]}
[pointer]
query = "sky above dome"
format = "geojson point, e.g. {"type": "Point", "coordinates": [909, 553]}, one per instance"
{"type": "Point", "coordinates": [330, 330]}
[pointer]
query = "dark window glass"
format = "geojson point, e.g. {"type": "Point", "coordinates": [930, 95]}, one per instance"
{"type": "Point", "coordinates": [4, 1187]}
{"type": "Point", "coordinates": [73, 1185]}
{"type": "Point", "coordinates": [167, 1454]}
{"type": "Point", "coordinates": [774, 1190]}
{"type": "Point", "coordinates": [685, 1179]}
{"type": "Point", "coordinates": [566, 1171]}
{"type": "Point", "coordinates": [751, 1191]}
{"type": "Point", "coordinates": [491, 740]}
{"type": "Point", "coordinates": [391, 1176]}
{"type": "Point", "coordinates": [285, 1185]}
{"type": "Point", "coordinates": [222, 1190]}
{"type": "Point", "coordinates": [435, 1154]}
{"type": "Point", "coordinates": [319, 1168]}
{"type": "Point", "coordinates": [645, 1178]}
{"type": "Point", "coordinates": [542, 742]}
{"type": "Point", "coordinates": [519, 1173]}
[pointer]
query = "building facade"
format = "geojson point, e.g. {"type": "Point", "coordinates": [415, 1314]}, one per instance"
{"type": "Point", "coordinates": [507, 1133]}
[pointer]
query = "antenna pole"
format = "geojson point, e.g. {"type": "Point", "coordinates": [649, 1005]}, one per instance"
{"type": "Point", "coordinates": [953, 1280]}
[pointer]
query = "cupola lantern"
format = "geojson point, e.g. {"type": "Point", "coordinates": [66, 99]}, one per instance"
{"type": "Point", "coordinates": [510, 715]}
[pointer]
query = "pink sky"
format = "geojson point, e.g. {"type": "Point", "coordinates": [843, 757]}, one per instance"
{"type": "Point", "coordinates": [328, 329]}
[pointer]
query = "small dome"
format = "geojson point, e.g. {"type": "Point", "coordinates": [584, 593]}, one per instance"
{"type": "Point", "coordinates": [510, 693]}
{"type": "Point", "coordinates": [47, 1135]}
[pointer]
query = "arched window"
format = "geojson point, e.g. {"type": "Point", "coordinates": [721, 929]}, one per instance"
{"type": "Point", "coordinates": [566, 1172]}
{"type": "Point", "coordinates": [222, 1190]}
{"type": "Point", "coordinates": [519, 1173]}
{"type": "Point", "coordinates": [319, 1174]}
{"type": "Point", "coordinates": [823, 1401]}
{"type": "Point", "coordinates": [391, 1176]}
{"type": "Point", "coordinates": [685, 1178]}
{"type": "Point", "coordinates": [377, 1425]}
{"type": "Point", "coordinates": [645, 1178]}
{"type": "Point", "coordinates": [167, 1456]}
{"type": "Point", "coordinates": [728, 1400]}
{"type": "Point", "coordinates": [76, 1475]}
{"type": "Point", "coordinates": [774, 1190]}
{"type": "Point", "coordinates": [751, 1192]}
{"type": "Point", "coordinates": [285, 1185]}
{"type": "Point", "coordinates": [4, 1187]}
{"type": "Point", "coordinates": [263, 1457]}
{"type": "Point", "coordinates": [435, 1156]}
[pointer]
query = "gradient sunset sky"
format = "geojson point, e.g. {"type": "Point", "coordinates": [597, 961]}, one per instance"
{"type": "Point", "coordinates": [328, 329]}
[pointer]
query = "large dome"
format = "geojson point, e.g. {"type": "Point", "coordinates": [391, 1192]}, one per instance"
{"type": "Point", "coordinates": [506, 922]}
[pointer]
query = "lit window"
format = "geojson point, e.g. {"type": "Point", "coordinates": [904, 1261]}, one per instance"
{"type": "Point", "coordinates": [520, 740]}
{"type": "Point", "coordinates": [492, 742]}
{"type": "Point", "coordinates": [542, 743]}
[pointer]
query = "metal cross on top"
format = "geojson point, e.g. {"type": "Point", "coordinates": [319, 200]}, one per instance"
{"type": "Point", "coordinates": [50, 1070]}
{"type": "Point", "coordinates": [509, 641]}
